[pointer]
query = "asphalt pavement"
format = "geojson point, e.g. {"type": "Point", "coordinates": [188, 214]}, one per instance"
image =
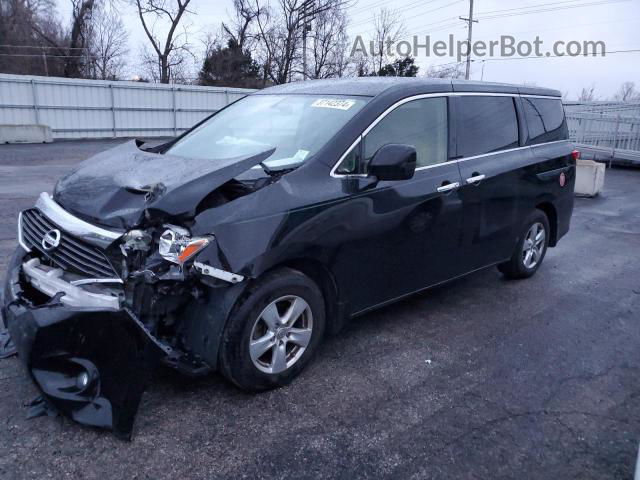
{"type": "Point", "coordinates": [481, 378]}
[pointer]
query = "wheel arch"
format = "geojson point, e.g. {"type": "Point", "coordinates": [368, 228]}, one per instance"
{"type": "Point", "coordinates": [322, 276]}
{"type": "Point", "coordinates": [552, 215]}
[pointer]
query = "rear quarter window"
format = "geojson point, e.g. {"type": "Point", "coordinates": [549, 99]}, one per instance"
{"type": "Point", "coordinates": [545, 120]}
{"type": "Point", "coordinates": [486, 124]}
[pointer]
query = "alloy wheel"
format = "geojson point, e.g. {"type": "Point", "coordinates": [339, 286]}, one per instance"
{"type": "Point", "coordinates": [533, 245]}
{"type": "Point", "coordinates": [281, 334]}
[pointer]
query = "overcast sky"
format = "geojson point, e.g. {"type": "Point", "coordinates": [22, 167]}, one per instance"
{"type": "Point", "coordinates": [614, 22]}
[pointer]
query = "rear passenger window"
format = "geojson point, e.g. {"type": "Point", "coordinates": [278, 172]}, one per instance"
{"type": "Point", "coordinates": [486, 124]}
{"type": "Point", "coordinates": [419, 123]}
{"type": "Point", "coordinates": [545, 120]}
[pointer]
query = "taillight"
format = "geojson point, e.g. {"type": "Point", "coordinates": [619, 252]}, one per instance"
{"type": "Point", "coordinates": [575, 155]}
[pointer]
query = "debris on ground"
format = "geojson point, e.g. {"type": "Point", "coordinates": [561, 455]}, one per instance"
{"type": "Point", "coordinates": [39, 407]}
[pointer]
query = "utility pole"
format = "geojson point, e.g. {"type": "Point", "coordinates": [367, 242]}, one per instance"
{"type": "Point", "coordinates": [306, 13]}
{"type": "Point", "coordinates": [470, 21]}
{"type": "Point", "coordinates": [304, 50]}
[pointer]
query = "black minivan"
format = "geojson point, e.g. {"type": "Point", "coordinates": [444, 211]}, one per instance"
{"type": "Point", "coordinates": [238, 245]}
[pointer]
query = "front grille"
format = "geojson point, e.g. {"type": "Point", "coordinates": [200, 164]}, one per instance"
{"type": "Point", "coordinates": [72, 254]}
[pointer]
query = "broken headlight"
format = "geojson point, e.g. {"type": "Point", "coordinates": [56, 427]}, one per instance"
{"type": "Point", "coordinates": [176, 244]}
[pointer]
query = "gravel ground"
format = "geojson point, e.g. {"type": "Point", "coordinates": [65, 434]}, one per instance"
{"type": "Point", "coordinates": [482, 378]}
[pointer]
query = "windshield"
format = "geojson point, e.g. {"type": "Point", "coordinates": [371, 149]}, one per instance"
{"type": "Point", "coordinates": [296, 126]}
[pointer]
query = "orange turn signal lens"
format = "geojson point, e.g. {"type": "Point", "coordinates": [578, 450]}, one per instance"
{"type": "Point", "coordinates": [191, 249]}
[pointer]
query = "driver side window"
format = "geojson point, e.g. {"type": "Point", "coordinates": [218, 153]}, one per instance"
{"type": "Point", "coordinates": [420, 123]}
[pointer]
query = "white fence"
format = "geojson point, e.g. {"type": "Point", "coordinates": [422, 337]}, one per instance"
{"type": "Point", "coordinates": [615, 132]}
{"type": "Point", "coordinates": [604, 108]}
{"type": "Point", "coordinates": [606, 130]}
{"type": "Point", "coordinates": [95, 108]}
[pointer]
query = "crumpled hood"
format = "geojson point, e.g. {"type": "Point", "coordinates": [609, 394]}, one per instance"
{"type": "Point", "coordinates": [116, 187]}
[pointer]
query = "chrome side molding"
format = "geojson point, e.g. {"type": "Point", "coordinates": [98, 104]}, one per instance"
{"type": "Point", "coordinates": [75, 226]}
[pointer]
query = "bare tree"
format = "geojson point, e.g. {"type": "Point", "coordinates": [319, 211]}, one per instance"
{"type": "Point", "coordinates": [170, 49]}
{"type": "Point", "coordinates": [108, 44]}
{"type": "Point", "coordinates": [329, 42]}
{"type": "Point", "coordinates": [280, 34]}
{"type": "Point", "coordinates": [452, 70]}
{"type": "Point", "coordinates": [71, 48]}
{"type": "Point", "coordinates": [89, 48]}
{"type": "Point", "coordinates": [79, 38]}
{"type": "Point", "coordinates": [627, 93]}
{"type": "Point", "coordinates": [271, 35]}
{"type": "Point", "coordinates": [239, 29]}
{"type": "Point", "coordinates": [388, 29]}
{"type": "Point", "coordinates": [358, 65]}
{"type": "Point", "coordinates": [587, 94]}
{"type": "Point", "coordinates": [25, 29]}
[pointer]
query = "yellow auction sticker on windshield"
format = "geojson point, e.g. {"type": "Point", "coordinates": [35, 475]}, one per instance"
{"type": "Point", "coordinates": [336, 103]}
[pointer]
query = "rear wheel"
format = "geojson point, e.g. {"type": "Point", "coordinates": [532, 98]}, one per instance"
{"type": "Point", "coordinates": [273, 332]}
{"type": "Point", "coordinates": [531, 248]}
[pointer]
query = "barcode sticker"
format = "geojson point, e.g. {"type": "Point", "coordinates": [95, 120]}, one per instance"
{"type": "Point", "coordinates": [333, 103]}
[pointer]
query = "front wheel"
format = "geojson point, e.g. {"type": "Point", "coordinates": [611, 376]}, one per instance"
{"type": "Point", "coordinates": [531, 248]}
{"type": "Point", "coordinates": [273, 332]}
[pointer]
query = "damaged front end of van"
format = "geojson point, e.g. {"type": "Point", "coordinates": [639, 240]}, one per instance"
{"type": "Point", "coordinates": [112, 277]}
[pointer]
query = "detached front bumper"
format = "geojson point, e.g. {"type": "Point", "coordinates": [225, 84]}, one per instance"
{"type": "Point", "coordinates": [88, 357]}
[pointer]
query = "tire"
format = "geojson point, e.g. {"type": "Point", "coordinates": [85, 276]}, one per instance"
{"type": "Point", "coordinates": [523, 264]}
{"type": "Point", "coordinates": [256, 323]}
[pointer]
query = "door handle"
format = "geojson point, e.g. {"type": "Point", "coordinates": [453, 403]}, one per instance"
{"type": "Point", "coordinates": [476, 178]}
{"type": "Point", "coordinates": [448, 187]}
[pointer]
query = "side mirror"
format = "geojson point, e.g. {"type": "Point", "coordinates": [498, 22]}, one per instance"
{"type": "Point", "coordinates": [393, 162]}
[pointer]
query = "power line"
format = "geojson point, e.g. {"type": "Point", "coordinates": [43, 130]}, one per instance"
{"type": "Point", "coordinates": [502, 10]}
{"type": "Point", "coordinates": [43, 47]}
{"type": "Point", "coordinates": [575, 3]}
{"type": "Point", "coordinates": [382, 3]}
{"type": "Point", "coordinates": [440, 28]}
{"type": "Point", "coordinates": [431, 11]}
{"type": "Point", "coordinates": [367, 8]}
{"type": "Point", "coordinates": [564, 27]}
{"type": "Point", "coordinates": [412, 6]}
{"type": "Point", "coordinates": [634, 50]}
{"type": "Point", "coordinates": [593, 55]}
{"type": "Point", "coordinates": [47, 56]}
{"type": "Point", "coordinates": [565, 7]}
